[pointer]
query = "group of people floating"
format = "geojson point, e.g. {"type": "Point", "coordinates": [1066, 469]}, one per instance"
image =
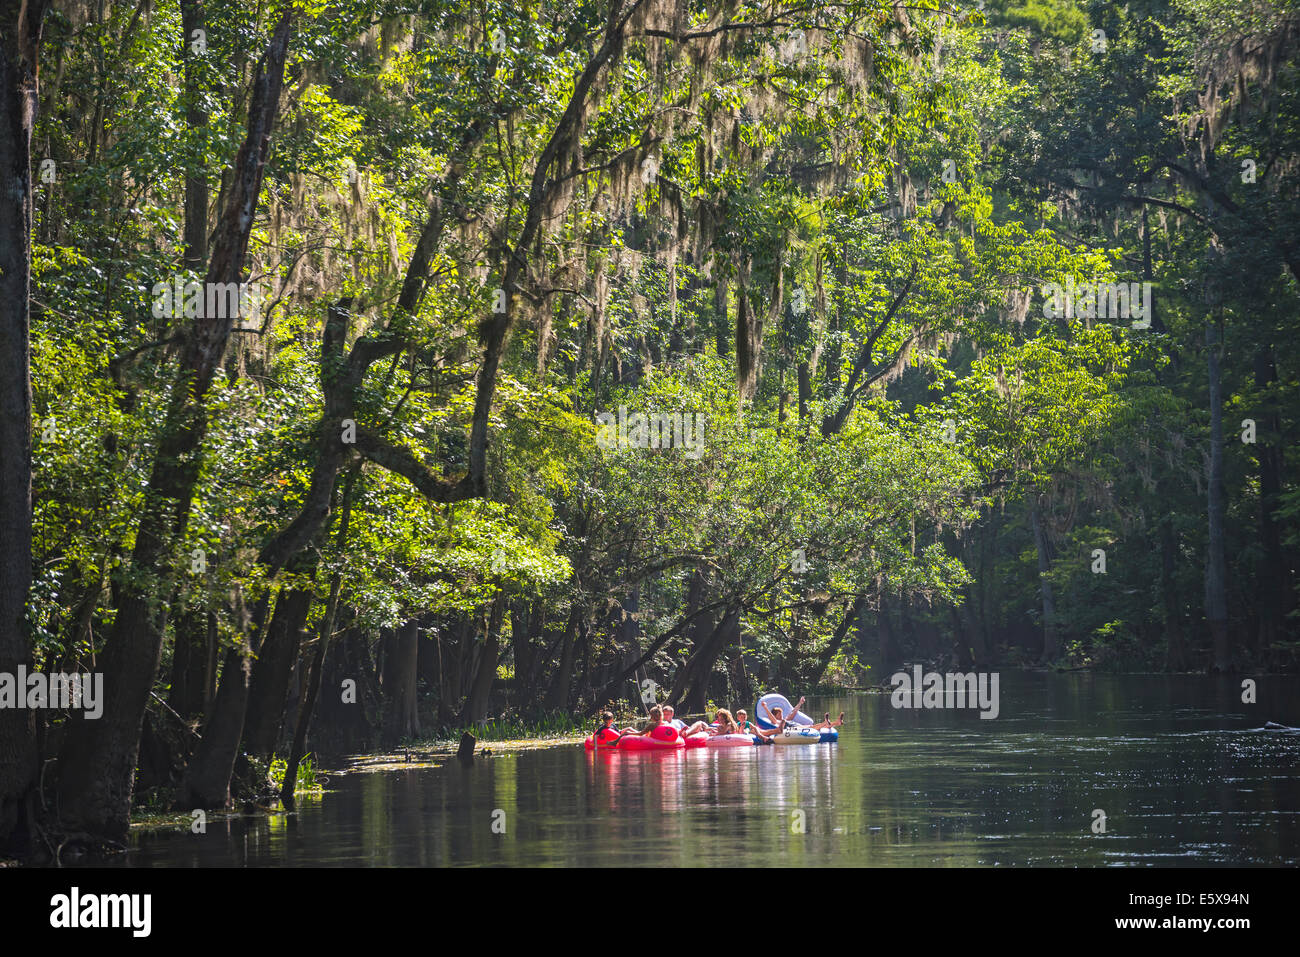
{"type": "Point", "coordinates": [723, 723]}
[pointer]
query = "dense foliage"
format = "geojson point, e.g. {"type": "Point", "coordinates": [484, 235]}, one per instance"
{"type": "Point", "coordinates": [617, 348]}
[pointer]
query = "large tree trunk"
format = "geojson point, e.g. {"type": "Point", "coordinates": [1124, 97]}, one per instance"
{"type": "Point", "coordinates": [557, 699]}
{"type": "Point", "coordinates": [97, 765]}
{"type": "Point", "coordinates": [316, 671]}
{"type": "Point", "coordinates": [1051, 639]}
{"type": "Point", "coordinates": [207, 778]}
{"type": "Point", "coordinates": [481, 686]}
{"type": "Point", "coordinates": [272, 672]}
{"type": "Point", "coordinates": [699, 667]}
{"type": "Point", "coordinates": [1216, 575]}
{"type": "Point", "coordinates": [452, 643]}
{"type": "Point", "coordinates": [190, 661]}
{"type": "Point", "coordinates": [401, 715]}
{"type": "Point", "coordinates": [526, 626]}
{"type": "Point", "coordinates": [194, 17]}
{"type": "Point", "coordinates": [20, 40]}
{"type": "Point", "coordinates": [1274, 577]}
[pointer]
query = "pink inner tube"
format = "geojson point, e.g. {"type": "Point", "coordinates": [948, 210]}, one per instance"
{"type": "Point", "coordinates": [662, 738]}
{"type": "Point", "coordinates": [697, 740]}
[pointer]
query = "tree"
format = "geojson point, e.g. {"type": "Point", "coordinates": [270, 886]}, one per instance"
{"type": "Point", "coordinates": [21, 23]}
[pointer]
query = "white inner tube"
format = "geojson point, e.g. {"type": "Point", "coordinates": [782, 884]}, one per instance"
{"type": "Point", "coordinates": [797, 736]}
{"type": "Point", "coordinates": [731, 741]}
{"type": "Point", "coordinates": [775, 700]}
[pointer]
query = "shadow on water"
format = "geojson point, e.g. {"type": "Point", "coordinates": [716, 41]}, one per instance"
{"type": "Point", "coordinates": [1181, 769]}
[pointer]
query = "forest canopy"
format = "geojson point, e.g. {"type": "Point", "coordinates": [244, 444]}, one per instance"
{"type": "Point", "coordinates": [512, 359]}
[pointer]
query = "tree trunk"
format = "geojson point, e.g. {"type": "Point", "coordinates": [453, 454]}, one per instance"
{"type": "Point", "coordinates": [441, 649]}
{"type": "Point", "coordinates": [452, 642]}
{"type": "Point", "coordinates": [557, 699]}
{"type": "Point", "coordinates": [1274, 578]}
{"type": "Point", "coordinates": [20, 41]}
{"type": "Point", "coordinates": [190, 664]}
{"type": "Point", "coordinates": [986, 588]}
{"type": "Point", "coordinates": [315, 673]}
{"type": "Point", "coordinates": [699, 667]}
{"type": "Point", "coordinates": [401, 707]}
{"type": "Point", "coordinates": [194, 17]}
{"type": "Point", "coordinates": [347, 702]}
{"type": "Point", "coordinates": [271, 673]}
{"type": "Point", "coordinates": [805, 393]}
{"type": "Point", "coordinates": [721, 320]}
{"type": "Point", "coordinates": [207, 779]}
{"type": "Point", "coordinates": [1216, 575]}
{"type": "Point", "coordinates": [1175, 643]}
{"type": "Point", "coordinates": [481, 687]}
{"type": "Point", "coordinates": [961, 640]}
{"type": "Point", "coordinates": [1051, 640]}
{"type": "Point", "coordinates": [97, 764]}
{"type": "Point", "coordinates": [525, 626]}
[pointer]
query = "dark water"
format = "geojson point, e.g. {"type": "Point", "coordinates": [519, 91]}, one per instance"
{"type": "Point", "coordinates": [1179, 766]}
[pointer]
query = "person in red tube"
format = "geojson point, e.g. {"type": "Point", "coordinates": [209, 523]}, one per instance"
{"type": "Point", "coordinates": [656, 721]}
{"type": "Point", "coordinates": [608, 734]}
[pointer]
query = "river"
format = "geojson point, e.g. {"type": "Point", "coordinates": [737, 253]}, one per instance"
{"type": "Point", "coordinates": [1180, 768]}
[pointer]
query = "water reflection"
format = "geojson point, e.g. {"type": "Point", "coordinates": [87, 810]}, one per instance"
{"type": "Point", "coordinates": [1183, 771]}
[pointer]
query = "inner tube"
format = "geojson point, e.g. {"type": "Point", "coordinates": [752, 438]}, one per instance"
{"type": "Point", "coordinates": [697, 740]}
{"type": "Point", "coordinates": [828, 735]}
{"type": "Point", "coordinates": [797, 736]}
{"type": "Point", "coordinates": [662, 738]}
{"type": "Point", "coordinates": [606, 737]}
{"type": "Point", "coordinates": [731, 741]}
{"type": "Point", "coordinates": [775, 700]}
